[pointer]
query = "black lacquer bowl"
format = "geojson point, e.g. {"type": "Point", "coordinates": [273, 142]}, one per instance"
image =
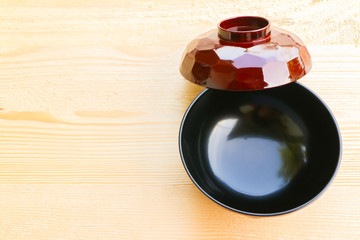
{"type": "Point", "coordinates": [263, 152]}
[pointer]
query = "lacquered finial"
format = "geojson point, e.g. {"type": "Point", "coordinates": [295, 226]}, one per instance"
{"type": "Point", "coordinates": [249, 30]}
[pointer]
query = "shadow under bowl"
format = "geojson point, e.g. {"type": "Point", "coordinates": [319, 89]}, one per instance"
{"type": "Point", "coordinates": [263, 152]}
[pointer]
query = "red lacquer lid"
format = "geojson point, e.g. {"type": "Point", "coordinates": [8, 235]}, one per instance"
{"type": "Point", "coordinates": [245, 53]}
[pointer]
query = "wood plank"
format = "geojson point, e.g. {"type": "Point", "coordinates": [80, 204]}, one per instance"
{"type": "Point", "coordinates": [91, 102]}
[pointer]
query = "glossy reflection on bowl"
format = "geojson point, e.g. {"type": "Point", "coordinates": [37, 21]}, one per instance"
{"type": "Point", "coordinates": [260, 152]}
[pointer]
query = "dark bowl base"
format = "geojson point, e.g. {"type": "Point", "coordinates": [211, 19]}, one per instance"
{"type": "Point", "coordinates": [260, 152]}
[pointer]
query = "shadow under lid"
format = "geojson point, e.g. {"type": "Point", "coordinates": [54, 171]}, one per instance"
{"type": "Point", "coordinates": [261, 152]}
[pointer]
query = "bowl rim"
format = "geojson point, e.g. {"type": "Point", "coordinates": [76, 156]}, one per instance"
{"type": "Point", "coordinates": [259, 213]}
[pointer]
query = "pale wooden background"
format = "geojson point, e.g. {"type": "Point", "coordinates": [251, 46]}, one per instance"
{"type": "Point", "coordinates": [91, 102]}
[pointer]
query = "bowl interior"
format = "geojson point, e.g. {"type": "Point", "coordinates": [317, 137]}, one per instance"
{"type": "Point", "coordinates": [260, 152]}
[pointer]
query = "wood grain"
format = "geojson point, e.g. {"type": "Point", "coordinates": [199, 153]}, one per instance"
{"type": "Point", "coordinates": [90, 106]}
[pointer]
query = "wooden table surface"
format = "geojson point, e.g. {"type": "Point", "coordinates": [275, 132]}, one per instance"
{"type": "Point", "coordinates": [90, 106]}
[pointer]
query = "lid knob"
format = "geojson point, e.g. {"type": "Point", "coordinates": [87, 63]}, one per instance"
{"type": "Point", "coordinates": [249, 30]}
